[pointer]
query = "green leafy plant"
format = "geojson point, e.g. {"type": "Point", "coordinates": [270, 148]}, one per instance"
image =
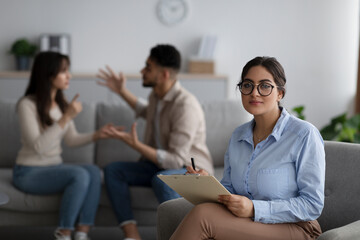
{"type": "Point", "coordinates": [342, 129]}
{"type": "Point", "coordinates": [298, 111]}
{"type": "Point", "coordinates": [22, 47]}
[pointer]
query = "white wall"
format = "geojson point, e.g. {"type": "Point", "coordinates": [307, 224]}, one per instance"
{"type": "Point", "coordinates": [315, 40]}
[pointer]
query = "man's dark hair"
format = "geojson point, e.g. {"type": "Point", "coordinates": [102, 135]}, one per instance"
{"type": "Point", "coordinates": [166, 56]}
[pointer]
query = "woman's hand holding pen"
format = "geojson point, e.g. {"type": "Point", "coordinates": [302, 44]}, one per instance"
{"type": "Point", "coordinates": [239, 205]}
{"type": "Point", "coordinates": [192, 169]}
{"type": "Point", "coordinates": [202, 172]}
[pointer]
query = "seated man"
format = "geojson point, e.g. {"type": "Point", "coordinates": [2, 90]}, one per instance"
{"type": "Point", "coordinates": [175, 132]}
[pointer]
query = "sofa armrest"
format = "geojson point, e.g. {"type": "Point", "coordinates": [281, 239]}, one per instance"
{"type": "Point", "coordinates": [169, 216]}
{"type": "Point", "coordinates": [347, 232]}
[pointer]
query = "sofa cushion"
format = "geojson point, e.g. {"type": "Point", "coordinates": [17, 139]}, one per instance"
{"type": "Point", "coordinates": [9, 134]}
{"type": "Point", "coordinates": [85, 123]}
{"type": "Point", "coordinates": [170, 215]}
{"type": "Point", "coordinates": [218, 173]}
{"type": "Point", "coordinates": [112, 150]}
{"type": "Point", "coordinates": [341, 186]}
{"type": "Point", "coordinates": [22, 202]}
{"type": "Point", "coordinates": [348, 232]}
{"type": "Point", "coordinates": [143, 198]}
{"type": "Point", "coordinates": [222, 117]}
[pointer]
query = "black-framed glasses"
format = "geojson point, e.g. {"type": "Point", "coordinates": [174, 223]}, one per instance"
{"type": "Point", "coordinates": [263, 88]}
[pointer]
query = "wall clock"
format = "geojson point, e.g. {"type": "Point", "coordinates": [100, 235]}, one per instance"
{"type": "Point", "coordinates": [172, 12]}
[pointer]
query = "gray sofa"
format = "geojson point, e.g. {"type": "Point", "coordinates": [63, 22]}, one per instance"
{"type": "Point", "coordinates": [31, 210]}
{"type": "Point", "coordinates": [341, 214]}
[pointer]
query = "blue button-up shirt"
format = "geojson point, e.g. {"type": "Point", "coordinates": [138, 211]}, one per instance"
{"type": "Point", "coordinates": [284, 175]}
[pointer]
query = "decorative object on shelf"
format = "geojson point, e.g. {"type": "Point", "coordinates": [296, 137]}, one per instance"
{"type": "Point", "coordinates": [56, 43]}
{"type": "Point", "coordinates": [23, 51]}
{"type": "Point", "coordinates": [203, 62]}
{"type": "Point", "coordinates": [202, 66]}
{"type": "Point", "coordinates": [172, 12]}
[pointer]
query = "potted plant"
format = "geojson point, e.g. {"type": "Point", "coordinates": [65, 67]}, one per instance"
{"type": "Point", "coordinates": [23, 50]}
{"type": "Point", "coordinates": [298, 111]}
{"type": "Point", "coordinates": [341, 128]}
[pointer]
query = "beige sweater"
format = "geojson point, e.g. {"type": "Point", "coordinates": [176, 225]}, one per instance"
{"type": "Point", "coordinates": [183, 129]}
{"type": "Point", "coordinates": [42, 147]}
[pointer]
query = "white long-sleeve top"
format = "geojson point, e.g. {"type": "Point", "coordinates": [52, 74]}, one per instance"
{"type": "Point", "coordinates": [42, 147]}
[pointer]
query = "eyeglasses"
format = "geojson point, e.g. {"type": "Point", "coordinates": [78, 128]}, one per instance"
{"type": "Point", "coordinates": [264, 89]}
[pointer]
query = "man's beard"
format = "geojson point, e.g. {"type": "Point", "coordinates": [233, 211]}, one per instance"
{"type": "Point", "coordinates": [149, 84]}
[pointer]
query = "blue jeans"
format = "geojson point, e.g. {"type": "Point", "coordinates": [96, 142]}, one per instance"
{"type": "Point", "coordinates": [120, 175]}
{"type": "Point", "coordinates": [80, 185]}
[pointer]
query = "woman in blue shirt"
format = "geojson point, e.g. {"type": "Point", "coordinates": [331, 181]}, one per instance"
{"type": "Point", "coordinates": [274, 169]}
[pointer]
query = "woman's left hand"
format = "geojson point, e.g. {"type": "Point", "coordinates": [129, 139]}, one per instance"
{"type": "Point", "coordinates": [239, 205]}
{"type": "Point", "coordinates": [105, 131]}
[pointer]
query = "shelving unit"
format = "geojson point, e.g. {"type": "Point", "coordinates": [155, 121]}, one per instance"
{"type": "Point", "coordinates": [205, 87]}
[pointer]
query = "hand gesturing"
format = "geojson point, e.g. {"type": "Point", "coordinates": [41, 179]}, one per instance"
{"type": "Point", "coordinates": [115, 82]}
{"type": "Point", "coordinates": [74, 107]}
{"type": "Point", "coordinates": [103, 132]}
{"type": "Point", "coordinates": [130, 138]}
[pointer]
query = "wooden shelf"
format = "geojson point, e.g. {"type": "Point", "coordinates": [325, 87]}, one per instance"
{"type": "Point", "coordinates": [90, 76]}
{"type": "Point", "coordinates": [204, 86]}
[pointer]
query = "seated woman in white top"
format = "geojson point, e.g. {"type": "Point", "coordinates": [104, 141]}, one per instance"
{"type": "Point", "coordinates": [45, 119]}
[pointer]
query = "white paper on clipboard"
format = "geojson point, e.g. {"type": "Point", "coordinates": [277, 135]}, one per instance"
{"type": "Point", "coordinates": [194, 188]}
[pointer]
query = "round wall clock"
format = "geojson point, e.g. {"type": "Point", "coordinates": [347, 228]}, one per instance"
{"type": "Point", "coordinates": [172, 12]}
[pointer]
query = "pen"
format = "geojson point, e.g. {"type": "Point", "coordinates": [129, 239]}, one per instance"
{"type": "Point", "coordinates": [193, 163]}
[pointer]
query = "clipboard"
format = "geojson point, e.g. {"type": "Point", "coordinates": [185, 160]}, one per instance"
{"type": "Point", "coordinates": [195, 188]}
